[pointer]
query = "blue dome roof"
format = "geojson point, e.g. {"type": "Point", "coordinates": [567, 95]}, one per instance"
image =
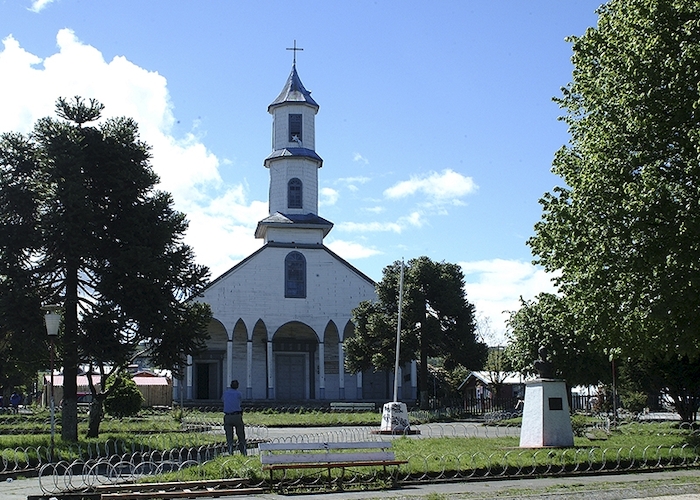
{"type": "Point", "coordinates": [293, 92]}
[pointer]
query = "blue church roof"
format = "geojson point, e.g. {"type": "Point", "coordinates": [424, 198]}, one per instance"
{"type": "Point", "coordinates": [303, 152]}
{"type": "Point", "coordinates": [306, 220]}
{"type": "Point", "coordinates": [293, 92]}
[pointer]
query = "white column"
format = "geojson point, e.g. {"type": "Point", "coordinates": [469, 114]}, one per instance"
{"type": "Point", "coordinates": [249, 370]}
{"type": "Point", "coordinates": [270, 372]}
{"type": "Point", "coordinates": [341, 371]}
{"type": "Point", "coordinates": [321, 370]}
{"type": "Point", "coordinates": [359, 385]}
{"type": "Point", "coordinates": [229, 362]}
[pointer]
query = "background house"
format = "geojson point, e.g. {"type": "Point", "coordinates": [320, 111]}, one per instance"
{"type": "Point", "coordinates": [156, 389]}
{"type": "Point", "coordinates": [486, 391]}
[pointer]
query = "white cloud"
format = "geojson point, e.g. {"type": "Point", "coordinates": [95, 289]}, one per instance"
{"type": "Point", "coordinates": [351, 250]}
{"type": "Point", "coordinates": [221, 221]}
{"type": "Point", "coordinates": [375, 210]}
{"type": "Point", "coordinates": [354, 180]}
{"type": "Point", "coordinates": [495, 286]}
{"type": "Point", "coordinates": [439, 188]}
{"type": "Point", "coordinates": [414, 219]}
{"type": "Point", "coordinates": [359, 158]}
{"type": "Point", "coordinates": [328, 196]}
{"type": "Point", "coordinates": [39, 5]}
{"type": "Point", "coordinates": [370, 227]}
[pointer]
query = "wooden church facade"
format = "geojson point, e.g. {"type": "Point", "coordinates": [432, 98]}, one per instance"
{"type": "Point", "coordinates": [281, 315]}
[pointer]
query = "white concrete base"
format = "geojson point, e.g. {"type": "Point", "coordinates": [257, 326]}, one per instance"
{"type": "Point", "coordinates": [394, 418]}
{"type": "Point", "coordinates": [546, 419]}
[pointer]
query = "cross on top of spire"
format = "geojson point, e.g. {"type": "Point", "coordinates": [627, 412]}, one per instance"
{"type": "Point", "coordinates": [295, 49]}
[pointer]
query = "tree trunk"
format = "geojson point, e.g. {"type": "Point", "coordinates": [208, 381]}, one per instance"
{"type": "Point", "coordinates": [424, 393]}
{"type": "Point", "coordinates": [69, 412]}
{"type": "Point", "coordinates": [95, 417]}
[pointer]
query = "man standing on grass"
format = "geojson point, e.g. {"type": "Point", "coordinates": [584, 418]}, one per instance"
{"type": "Point", "coordinates": [233, 417]}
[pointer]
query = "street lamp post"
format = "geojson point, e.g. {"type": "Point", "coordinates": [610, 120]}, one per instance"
{"type": "Point", "coordinates": [52, 318]}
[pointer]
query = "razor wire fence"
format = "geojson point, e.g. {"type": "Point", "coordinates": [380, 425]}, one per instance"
{"type": "Point", "coordinates": [201, 455]}
{"type": "Point", "coordinates": [211, 462]}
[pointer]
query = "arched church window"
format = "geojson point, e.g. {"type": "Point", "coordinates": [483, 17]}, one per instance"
{"type": "Point", "coordinates": [294, 193]}
{"type": "Point", "coordinates": [295, 128]}
{"type": "Point", "coordinates": [295, 275]}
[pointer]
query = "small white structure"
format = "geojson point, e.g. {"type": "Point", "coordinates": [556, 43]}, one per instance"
{"type": "Point", "coordinates": [546, 419]}
{"type": "Point", "coordinates": [394, 418]}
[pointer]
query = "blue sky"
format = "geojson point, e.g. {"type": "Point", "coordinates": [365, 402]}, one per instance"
{"type": "Point", "coordinates": [436, 122]}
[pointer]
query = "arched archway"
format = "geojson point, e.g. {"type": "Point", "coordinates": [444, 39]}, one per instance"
{"type": "Point", "coordinates": [353, 382]}
{"type": "Point", "coordinates": [333, 371]}
{"type": "Point", "coordinates": [208, 366]}
{"type": "Point", "coordinates": [258, 363]}
{"type": "Point", "coordinates": [294, 348]}
{"type": "Point", "coordinates": [239, 346]}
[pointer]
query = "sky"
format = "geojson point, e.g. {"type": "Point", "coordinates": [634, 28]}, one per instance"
{"type": "Point", "coordinates": [436, 123]}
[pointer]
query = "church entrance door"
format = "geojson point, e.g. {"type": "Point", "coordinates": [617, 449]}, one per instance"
{"type": "Point", "coordinates": [202, 380]}
{"type": "Point", "coordinates": [290, 376]}
{"type": "Point", "coordinates": [207, 379]}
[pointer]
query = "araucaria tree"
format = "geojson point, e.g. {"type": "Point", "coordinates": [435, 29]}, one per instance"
{"type": "Point", "coordinates": [91, 233]}
{"type": "Point", "coordinates": [437, 321]}
{"type": "Point", "coordinates": [624, 230]}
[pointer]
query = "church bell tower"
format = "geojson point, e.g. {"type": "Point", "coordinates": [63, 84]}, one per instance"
{"type": "Point", "coordinates": [293, 165]}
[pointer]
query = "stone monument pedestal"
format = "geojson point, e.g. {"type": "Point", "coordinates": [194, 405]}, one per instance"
{"type": "Point", "coordinates": [546, 419]}
{"type": "Point", "coordinates": [394, 418]}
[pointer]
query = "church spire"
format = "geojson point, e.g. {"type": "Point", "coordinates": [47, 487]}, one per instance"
{"type": "Point", "coordinates": [293, 166]}
{"type": "Point", "coordinates": [293, 92]}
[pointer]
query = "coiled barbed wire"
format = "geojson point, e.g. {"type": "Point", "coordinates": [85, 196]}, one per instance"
{"type": "Point", "coordinates": [81, 468]}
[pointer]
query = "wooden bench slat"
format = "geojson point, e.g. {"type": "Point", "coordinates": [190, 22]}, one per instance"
{"type": "Point", "coordinates": [291, 458]}
{"type": "Point", "coordinates": [282, 456]}
{"type": "Point", "coordinates": [335, 465]}
{"type": "Point", "coordinates": [323, 446]}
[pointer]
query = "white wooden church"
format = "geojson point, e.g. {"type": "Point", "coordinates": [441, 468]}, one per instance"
{"type": "Point", "coordinates": [281, 315]}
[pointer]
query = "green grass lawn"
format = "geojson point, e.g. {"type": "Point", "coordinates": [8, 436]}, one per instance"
{"type": "Point", "coordinates": [630, 444]}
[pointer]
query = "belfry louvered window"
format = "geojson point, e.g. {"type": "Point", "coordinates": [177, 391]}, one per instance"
{"type": "Point", "coordinates": [295, 128]}
{"type": "Point", "coordinates": [295, 276]}
{"type": "Point", "coordinates": [294, 193]}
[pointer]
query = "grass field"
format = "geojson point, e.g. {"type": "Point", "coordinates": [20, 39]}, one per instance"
{"type": "Point", "coordinates": [630, 444]}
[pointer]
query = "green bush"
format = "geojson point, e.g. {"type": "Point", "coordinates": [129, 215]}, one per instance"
{"type": "Point", "coordinates": [123, 397]}
{"type": "Point", "coordinates": [579, 424]}
{"type": "Point", "coordinates": [634, 402]}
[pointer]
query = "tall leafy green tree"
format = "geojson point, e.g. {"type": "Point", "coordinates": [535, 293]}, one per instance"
{"type": "Point", "coordinates": [437, 321]}
{"type": "Point", "coordinates": [93, 234]}
{"type": "Point", "coordinates": [624, 229]}
{"type": "Point", "coordinates": [548, 322]}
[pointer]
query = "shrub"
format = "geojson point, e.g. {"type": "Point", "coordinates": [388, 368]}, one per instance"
{"type": "Point", "coordinates": [579, 424]}
{"type": "Point", "coordinates": [123, 397]}
{"type": "Point", "coordinates": [634, 402]}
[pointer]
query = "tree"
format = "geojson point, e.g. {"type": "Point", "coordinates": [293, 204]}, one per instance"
{"type": "Point", "coordinates": [23, 342]}
{"type": "Point", "coordinates": [668, 374]}
{"type": "Point", "coordinates": [124, 399]}
{"type": "Point", "coordinates": [93, 234]}
{"type": "Point", "coordinates": [548, 322]}
{"type": "Point", "coordinates": [437, 321]}
{"type": "Point", "coordinates": [623, 230]}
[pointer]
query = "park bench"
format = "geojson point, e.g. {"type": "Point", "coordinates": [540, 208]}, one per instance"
{"type": "Point", "coordinates": [284, 456]}
{"type": "Point", "coordinates": [349, 406]}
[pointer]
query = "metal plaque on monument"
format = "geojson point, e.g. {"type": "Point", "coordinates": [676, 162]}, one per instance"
{"type": "Point", "coordinates": [546, 418]}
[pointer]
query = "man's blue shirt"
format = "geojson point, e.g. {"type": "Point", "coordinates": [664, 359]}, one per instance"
{"type": "Point", "coordinates": [232, 400]}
